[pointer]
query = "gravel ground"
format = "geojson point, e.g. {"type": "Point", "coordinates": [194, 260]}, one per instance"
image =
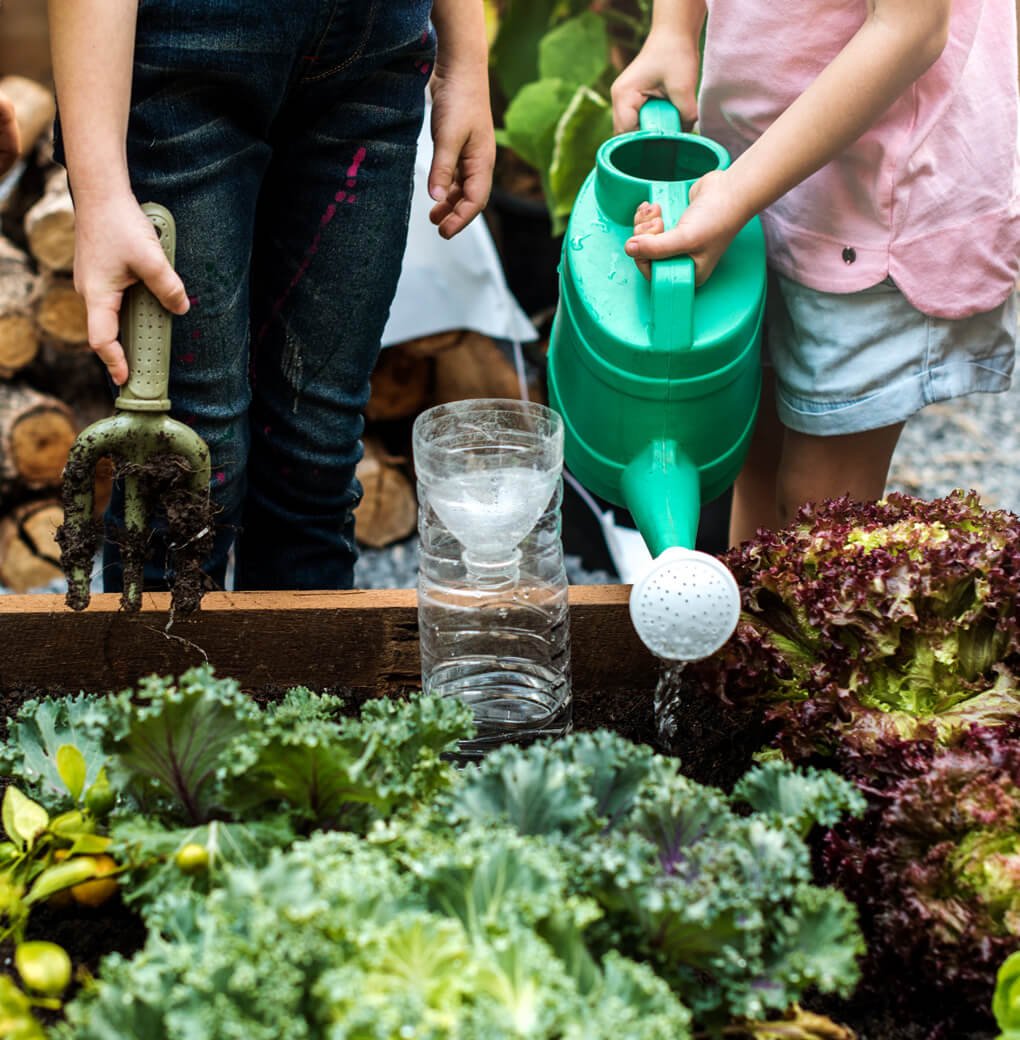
{"type": "Point", "coordinates": [971, 442]}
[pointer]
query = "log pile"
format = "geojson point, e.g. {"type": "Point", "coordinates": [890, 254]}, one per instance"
{"type": "Point", "coordinates": [52, 386]}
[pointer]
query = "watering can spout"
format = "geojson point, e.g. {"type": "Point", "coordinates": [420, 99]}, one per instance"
{"type": "Point", "coordinates": [662, 490]}
{"type": "Point", "coordinates": [686, 603]}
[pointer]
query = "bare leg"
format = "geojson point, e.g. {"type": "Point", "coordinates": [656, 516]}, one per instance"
{"type": "Point", "coordinates": [816, 468]}
{"type": "Point", "coordinates": [754, 493]}
{"type": "Point", "coordinates": [785, 469]}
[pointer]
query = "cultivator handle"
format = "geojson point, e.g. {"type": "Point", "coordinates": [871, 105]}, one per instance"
{"type": "Point", "coordinates": [145, 328]}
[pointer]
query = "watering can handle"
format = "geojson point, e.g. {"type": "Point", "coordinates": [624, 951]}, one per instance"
{"type": "Point", "coordinates": [145, 329]}
{"type": "Point", "coordinates": [672, 284]}
{"type": "Point", "coordinates": [659, 115]}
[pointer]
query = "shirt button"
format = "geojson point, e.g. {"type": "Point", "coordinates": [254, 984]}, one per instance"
{"type": "Point", "coordinates": [849, 255]}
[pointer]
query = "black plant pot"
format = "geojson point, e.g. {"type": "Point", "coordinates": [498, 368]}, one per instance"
{"type": "Point", "coordinates": [529, 251]}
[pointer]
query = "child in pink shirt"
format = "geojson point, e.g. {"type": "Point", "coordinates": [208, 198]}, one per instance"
{"type": "Point", "coordinates": [878, 142]}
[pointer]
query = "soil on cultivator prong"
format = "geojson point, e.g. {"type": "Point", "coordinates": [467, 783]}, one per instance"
{"type": "Point", "coordinates": [187, 523]}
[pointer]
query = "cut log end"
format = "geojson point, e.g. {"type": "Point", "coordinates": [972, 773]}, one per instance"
{"type": "Point", "coordinates": [29, 555]}
{"type": "Point", "coordinates": [39, 446]}
{"type": "Point", "coordinates": [61, 314]}
{"type": "Point", "coordinates": [19, 344]}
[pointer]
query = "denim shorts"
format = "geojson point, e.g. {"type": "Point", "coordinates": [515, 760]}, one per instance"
{"type": "Point", "coordinates": [846, 363]}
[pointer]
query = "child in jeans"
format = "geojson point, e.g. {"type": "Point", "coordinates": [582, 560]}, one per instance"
{"type": "Point", "coordinates": [282, 138]}
{"type": "Point", "coordinates": [878, 142]}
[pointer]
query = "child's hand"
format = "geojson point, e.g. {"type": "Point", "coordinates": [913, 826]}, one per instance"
{"type": "Point", "coordinates": [703, 232]}
{"type": "Point", "coordinates": [10, 138]}
{"type": "Point", "coordinates": [464, 148]}
{"type": "Point", "coordinates": [116, 246]}
{"type": "Point", "coordinates": [666, 66]}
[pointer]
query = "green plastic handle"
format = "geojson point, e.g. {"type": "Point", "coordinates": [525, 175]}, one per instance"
{"type": "Point", "coordinates": [145, 330]}
{"type": "Point", "coordinates": [672, 284]}
{"type": "Point", "coordinates": [658, 115]}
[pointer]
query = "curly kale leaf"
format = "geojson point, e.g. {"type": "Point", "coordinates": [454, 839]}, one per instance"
{"type": "Point", "coordinates": [719, 902]}
{"type": "Point", "coordinates": [149, 850]}
{"type": "Point", "coordinates": [804, 798]}
{"type": "Point", "coordinates": [342, 772]}
{"type": "Point", "coordinates": [336, 938]}
{"type": "Point", "coordinates": [581, 784]}
{"type": "Point", "coordinates": [34, 741]}
{"type": "Point", "coordinates": [168, 741]}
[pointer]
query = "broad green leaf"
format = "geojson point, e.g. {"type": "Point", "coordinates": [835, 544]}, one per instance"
{"type": "Point", "coordinates": [24, 820]}
{"type": "Point", "coordinates": [44, 967]}
{"type": "Point", "coordinates": [72, 768]}
{"type": "Point", "coordinates": [90, 845]}
{"type": "Point", "coordinates": [576, 52]}
{"type": "Point", "coordinates": [71, 824]}
{"type": "Point", "coordinates": [532, 117]}
{"type": "Point", "coordinates": [171, 738]}
{"type": "Point", "coordinates": [36, 736]}
{"type": "Point", "coordinates": [16, 1019]}
{"type": "Point", "coordinates": [61, 876]}
{"type": "Point", "coordinates": [586, 122]}
{"type": "Point", "coordinates": [513, 57]}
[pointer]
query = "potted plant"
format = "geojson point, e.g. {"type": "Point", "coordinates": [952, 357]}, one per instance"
{"type": "Point", "coordinates": [552, 64]}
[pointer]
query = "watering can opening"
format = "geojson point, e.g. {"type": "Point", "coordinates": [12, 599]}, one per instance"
{"type": "Point", "coordinates": [683, 158]}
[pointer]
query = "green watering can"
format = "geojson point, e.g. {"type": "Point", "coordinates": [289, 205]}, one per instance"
{"type": "Point", "coordinates": [658, 382]}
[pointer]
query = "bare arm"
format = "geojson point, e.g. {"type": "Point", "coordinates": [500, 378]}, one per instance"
{"type": "Point", "coordinates": [898, 42]}
{"type": "Point", "coordinates": [667, 65]}
{"type": "Point", "coordinates": [92, 43]}
{"type": "Point", "coordinates": [465, 148]}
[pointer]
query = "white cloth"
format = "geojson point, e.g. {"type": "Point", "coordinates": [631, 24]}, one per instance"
{"type": "Point", "coordinates": [455, 284]}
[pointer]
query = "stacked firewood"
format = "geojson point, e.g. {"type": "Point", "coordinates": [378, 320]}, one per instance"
{"type": "Point", "coordinates": [52, 385]}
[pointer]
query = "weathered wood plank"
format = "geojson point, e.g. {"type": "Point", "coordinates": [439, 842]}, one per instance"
{"type": "Point", "coordinates": [366, 641]}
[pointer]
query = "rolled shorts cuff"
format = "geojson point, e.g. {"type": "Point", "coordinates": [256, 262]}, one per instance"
{"type": "Point", "coordinates": [851, 362]}
{"type": "Point", "coordinates": [896, 403]}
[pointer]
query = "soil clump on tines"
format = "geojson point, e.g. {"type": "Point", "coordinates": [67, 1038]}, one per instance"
{"type": "Point", "coordinates": [186, 517]}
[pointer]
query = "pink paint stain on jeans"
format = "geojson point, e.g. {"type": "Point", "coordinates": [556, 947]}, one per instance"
{"type": "Point", "coordinates": [328, 214]}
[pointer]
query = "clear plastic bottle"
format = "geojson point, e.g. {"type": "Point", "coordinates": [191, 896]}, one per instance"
{"type": "Point", "coordinates": [492, 589]}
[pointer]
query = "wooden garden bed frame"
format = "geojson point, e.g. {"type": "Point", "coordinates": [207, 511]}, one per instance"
{"type": "Point", "coordinates": [365, 641]}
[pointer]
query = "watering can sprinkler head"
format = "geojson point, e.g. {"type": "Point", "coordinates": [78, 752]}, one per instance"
{"type": "Point", "coordinates": [686, 603]}
{"type": "Point", "coordinates": [140, 437]}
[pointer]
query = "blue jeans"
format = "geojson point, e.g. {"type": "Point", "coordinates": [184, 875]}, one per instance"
{"type": "Point", "coordinates": [282, 138]}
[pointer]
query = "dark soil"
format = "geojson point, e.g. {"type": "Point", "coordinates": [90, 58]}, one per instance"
{"type": "Point", "coordinates": [164, 484]}
{"type": "Point", "coordinates": [86, 933]}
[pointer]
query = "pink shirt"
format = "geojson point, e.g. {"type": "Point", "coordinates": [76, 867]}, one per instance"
{"type": "Point", "coordinates": [930, 195]}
